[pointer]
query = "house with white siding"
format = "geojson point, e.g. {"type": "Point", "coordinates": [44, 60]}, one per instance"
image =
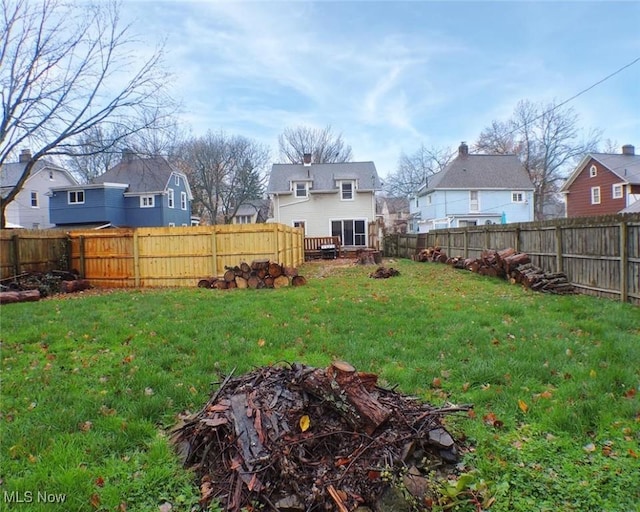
{"type": "Point", "coordinates": [30, 207]}
{"type": "Point", "coordinates": [473, 190]}
{"type": "Point", "coordinates": [326, 199]}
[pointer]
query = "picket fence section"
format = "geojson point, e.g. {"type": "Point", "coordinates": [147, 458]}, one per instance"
{"type": "Point", "coordinates": [152, 257]}
{"type": "Point", "coordinates": [599, 255]}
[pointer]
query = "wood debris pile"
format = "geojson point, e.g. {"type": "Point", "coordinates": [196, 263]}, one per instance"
{"type": "Point", "coordinates": [384, 273]}
{"type": "Point", "coordinates": [298, 438]}
{"type": "Point", "coordinates": [32, 286]}
{"type": "Point", "coordinates": [508, 264]}
{"type": "Point", "coordinates": [258, 274]}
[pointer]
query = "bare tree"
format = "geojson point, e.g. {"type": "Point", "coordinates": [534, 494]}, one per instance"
{"type": "Point", "coordinates": [322, 144]}
{"type": "Point", "coordinates": [413, 170]}
{"type": "Point", "coordinates": [66, 69]}
{"type": "Point", "coordinates": [224, 172]}
{"type": "Point", "coordinates": [548, 142]}
{"type": "Point", "coordinates": [100, 148]}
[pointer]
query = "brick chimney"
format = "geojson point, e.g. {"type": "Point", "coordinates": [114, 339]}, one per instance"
{"type": "Point", "coordinates": [463, 149]}
{"type": "Point", "coordinates": [628, 149]}
{"type": "Point", "coordinates": [127, 155]}
{"type": "Point", "coordinates": [25, 156]}
{"type": "Point", "coordinates": [306, 159]}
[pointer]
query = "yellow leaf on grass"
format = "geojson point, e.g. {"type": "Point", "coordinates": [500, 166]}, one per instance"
{"type": "Point", "coordinates": [261, 342]}
{"type": "Point", "coordinates": [523, 406]}
{"type": "Point", "coordinates": [305, 423]}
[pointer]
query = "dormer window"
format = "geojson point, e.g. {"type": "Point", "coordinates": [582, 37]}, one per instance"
{"type": "Point", "coordinates": [177, 180]}
{"type": "Point", "coordinates": [346, 190]}
{"type": "Point", "coordinates": [301, 189]}
{"type": "Point", "coordinates": [593, 171]}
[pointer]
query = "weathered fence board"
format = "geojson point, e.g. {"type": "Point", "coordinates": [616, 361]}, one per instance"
{"type": "Point", "coordinates": [600, 255]}
{"type": "Point", "coordinates": [32, 250]}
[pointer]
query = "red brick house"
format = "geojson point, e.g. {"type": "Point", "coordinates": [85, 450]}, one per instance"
{"type": "Point", "coordinates": [603, 183]}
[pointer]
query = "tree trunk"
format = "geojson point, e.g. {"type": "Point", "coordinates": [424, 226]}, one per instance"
{"type": "Point", "coordinates": [341, 385]}
{"type": "Point", "coordinates": [19, 296]}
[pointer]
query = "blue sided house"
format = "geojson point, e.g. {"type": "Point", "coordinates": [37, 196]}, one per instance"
{"type": "Point", "coordinates": [473, 190]}
{"type": "Point", "coordinates": [136, 192]}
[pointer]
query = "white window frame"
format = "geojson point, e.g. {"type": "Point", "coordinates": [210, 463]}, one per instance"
{"type": "Point", "coordinates": [183, 200]}
{"type": "Point", "coordinates": [148, 201]}
{"type": "Point", "coordinates": [595, 195]}
{"type": "Point", "coordinates": [243, 219]}
{"type": "Point", "coordinates": [177, 180]}
{"type": "Point", "coordinates": [75, 197]}
{"type": "Point", "coordinates": [172, 224]}
{"type": "Point", "coordinates": [593, 171]}
{"type": "Point", "coordinates": [474, 204]}
{"type": "Point", "coordinates": [617, 191]}
{"type": "Point", "coordinates": [347, 195]}
{"type": "Point", "coordinates": [299, 224]}
{"type": "Point", "coordinates": [171, 199]}
{"type": "Point", "coordinates": [300, 189]}
{"type": "Point", "coordinates": [359, 238]}
{"type": "Point", "coordinates": [517, 196]}
{"type": "Point", "coordinates": [35, 200]}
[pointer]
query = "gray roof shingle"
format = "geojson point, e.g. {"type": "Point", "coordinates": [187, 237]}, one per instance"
{"type": "Point", "coordinates": [481, 172]}
{"type": "Point", "coordinates": [143, 175]}
{"type": "Point", "coordinates": [323, 176]}
{"type": "Point", "coordinates": [625, 166]}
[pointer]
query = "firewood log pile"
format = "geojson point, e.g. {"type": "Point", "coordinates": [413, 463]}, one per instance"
{"type": "Point", "coordinates": [384, 273]}
{"type": "Point", "coordinates": [32, 286]}
{"type": "Point", "coordinates": [516, 267]}
{"type": "Point", "coordinates": [257, 274]}
{"type": "Point", "coordinates": [299, 438]}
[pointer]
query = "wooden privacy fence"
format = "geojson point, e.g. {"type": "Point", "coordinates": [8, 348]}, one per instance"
{"type": "Point", "coordinates": [32, 250]}
{"type": "Point", "coordinates": [170, 256]}
{"type": "Point", "coordinates": [599, 255]}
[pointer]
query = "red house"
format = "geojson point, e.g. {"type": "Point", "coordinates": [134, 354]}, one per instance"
{"type": "Point", "coordinates": [603, 183]}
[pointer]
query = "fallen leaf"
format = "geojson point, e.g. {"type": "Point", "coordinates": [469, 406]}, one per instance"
{"type": "Point", "coordinates": [86, 426]}
{"type": "Point", "coordinates": [261, 342]}
{"type": "Point", "coordinates": [95, 501]}
{"type": "Point", "coordinates": [523, 406]}
{"type": "Point", "coordinates": [436, 382]}
{"type": "Point", "coordinates": [305, 423]}
{"type": "Point", "coordinates": [592, 374]}
{"type": "Point", "coordinates": [589, 448]}
{"type": "Point", "coordinates": [630, 393]}
{"type": "Point", "coordinates": [148, 391]}
{"type": "Point", "coordinates": [100, 481]}
{"type": "Point", "coordinates": [165, 507]}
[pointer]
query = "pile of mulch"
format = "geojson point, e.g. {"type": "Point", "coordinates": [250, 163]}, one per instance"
{"type": "Point", "coordinates": [297, 438]}
{"type": "Point", "coordinates": [384, 273]}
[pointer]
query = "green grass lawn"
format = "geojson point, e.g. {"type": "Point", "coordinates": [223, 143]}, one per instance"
{"type": "Point", "coordinates": [91, 383]}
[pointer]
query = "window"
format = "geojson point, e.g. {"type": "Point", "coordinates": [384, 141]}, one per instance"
{"type": "Point", "coordinates": [177, 181]}
{"type": "Point", "coordinates": [346, 189]}
{"type": "Point", "coordinates": [474, 203]}
{"type": "Point", "coordinates": [183, 200]}
{"type": "Point", "coordinates": [35, 225]}
{"type": "Point", "coordinates": [34, 200]}
{"type": "Point", "coordinates": [595, 195]}
{"type": "Point", "coordinates": [351, 232]}
{"type": "Point", "coordinates": [50, 175]}
{"type": "Point", "coordinates": [75, 197]}
{"type": "Point", "coordinates": [171, 198]}
{"type": "Point", "coordinates": [467, 223]}
{"type": "Point", "coordinates": [429, 199]}
{"type": "Point", "coordinates": [172, 224]}
{"type": "Point", "coordinates": [517, 197]}
{"type": "Point", "coordinates": [147, 202]}
{"type": "Point", "coordinates": [301, 189]}
{"type": "Point", "coordinates": [593, 171]}
{"type": "Point", "coordinates": [298, 224]}
{"type": "Point", "coordinates": [243, 219]}
{"type": "Point", "coordinates": [616, 191]}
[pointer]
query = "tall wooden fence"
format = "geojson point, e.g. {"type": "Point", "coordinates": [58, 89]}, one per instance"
{"type": "Point", "coordinates": [151, 257]}
{"type": "Point", "coordinates": [599, 255]}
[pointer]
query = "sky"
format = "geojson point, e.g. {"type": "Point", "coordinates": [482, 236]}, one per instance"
{"type": "Point", "coordinates": [391, 76]}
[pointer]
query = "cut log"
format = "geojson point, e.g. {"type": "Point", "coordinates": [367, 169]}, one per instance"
{"type": "Point", "coordinates": [260, 264]}
{"type": "Point", "coordinates": [268, 282]}
{"type": "Point", "coordinates": [341, 384]}
{"type": "Point", "coordinates": [19, 296]}
{"type": "Point", "coordinates": [298, 281]}
{"type": "Point", "coordinates": [511, 262]}
{"type": "Point", "coordinates": [290, 271]}
{"type": "Point", "coordinates": [254, 282]}
{"type": "Point", "coordinates": [281, 282]}
{"type": "Point", "coordinates": [207, 282]}
{"type": "Point", "coordinates": [245, 267]}
{"type": "Point", "coordinates": [230, 275]}
{"type": "Point", "coordinates": [275, 270]}
{"type": "Point", "coordinates": [221, 284]}
{"type": "Point", "coordinates": [74, 286]}
{"type": "Point", "coordinates": [241, 282]}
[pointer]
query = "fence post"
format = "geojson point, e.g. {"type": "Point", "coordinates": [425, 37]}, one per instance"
{"type": "Point", "coordinates": [517, 240]}
{"type": "Point", "coordinates": [15, 252]}
{"type": "Point", "coordinates": [136, 260]}
{"type": "Point", "coordinates": [466, 243]}
{"type": "Point", "coordinates": [624, 262]}
{"type": "Point", "coordinates": [559, 262]}
{"type": "Point", "coordinates": [83, 266]}
{"type": "Point", "coordinates": [487, 240]}
{"type": "Point", "coordinates": [214, 252]}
